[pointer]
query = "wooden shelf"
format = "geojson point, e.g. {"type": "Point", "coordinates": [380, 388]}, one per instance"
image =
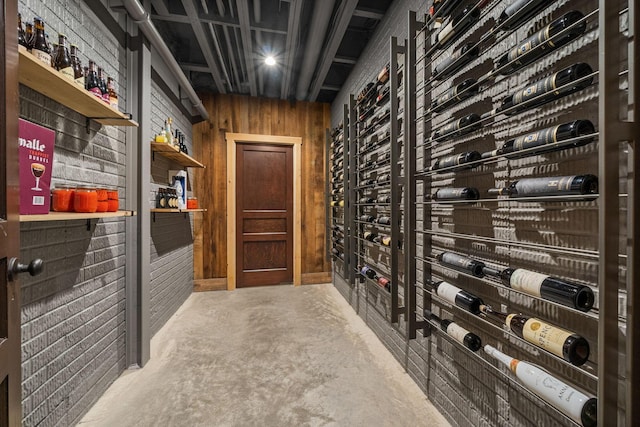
{"type": "Point", "coordinates": [173, 153]}
{"type": "Point", "coordinates": [159, 210]}
{"type": "Point", "coordinates": [48, 81]}
{"type": "Point", "coordinates": [68, 216]}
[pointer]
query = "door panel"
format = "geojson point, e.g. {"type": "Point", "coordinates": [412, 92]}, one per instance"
{"type": "Point", "coordinates": [264, 210]}
{"type": "Point", "coordinates": [10, 374]}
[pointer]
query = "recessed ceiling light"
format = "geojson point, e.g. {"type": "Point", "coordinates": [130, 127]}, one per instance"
{"type": "Point", "coordinates": [270, 60]}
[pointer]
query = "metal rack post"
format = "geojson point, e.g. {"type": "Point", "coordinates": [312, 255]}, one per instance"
{"type": "Point", "coordinates": [351, 196]}
{"type": "Point", "coordinates": [327, 195]}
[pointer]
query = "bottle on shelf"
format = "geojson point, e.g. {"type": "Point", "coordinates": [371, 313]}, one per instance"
{"type": "Point", "coordinates": [458, 24]}
{"type": "Point", "coordinates": [464, 193]}
{"type": "Point", "coordinates": [367, 218]}
{"type": "Point", "coordinates": [545, 90]}
{"type": "Point", "coordinates": [383, 178]}
{"type": "Point", "coordinates": [457, 332]}
{"type": "Point", "coordinates": [546, 137]}
{"type": "Point", "coordinates": [29, 36]}
{"type": "Point", "coordinates": [458, 59]}
{"type": "Point", "coordinates": [576, 405]}
{"type": "Point", "coordinates": [520, 11]}
{"type": "Point", "coordinates": [550, 288]}
{"type": "Point", "coordinates": [367, 200]}
{"type": "Point", "coordinates": [103, 85]}
{"type": "Point", "coordinates": [550, 186]}
{"type": "Point", "coordinates": [40, 48]}
{"type": "Point", "coordinates": [443, 7]}
{"type": "Point", "coordinates": [462, 126]}
{"type": "Point", "coordinates": [565, 344]}
{"type": "Point", "coordinates": [457, 93]}
{"type": "Point", "coordinates": [556, 34]}
{"type": "Point", "coordinates": [336, 253]}
{"type": "Point", "coordinates": [456, 296]}
{"type": "Point", "coordinates": [384, 199]}
{"type": "Point", "coordinates": [373, 275]}
{"type": "Point", "coordinates": [384, 220]}
{"type": "Point", "coordinates": [370, 236]}
{"type": "Point", "coordinates": [78, 72]}
{"type": "Point", "coordinates": [92, 82]}
{"type": "Point", "coordinates": [52, 51]}
{"type": "Point", "coordinates": [22, 39]}
{"type": "Point", "coordinates": [457, 160]}
{"type": "Point", "coordinates": [462, 263]}
{"type": "Point", "coordinates": [111, 90]}
{"type": "Point", "coordinates": [383, 75]}
{"type": "Point", "coordinates": [63, 59]}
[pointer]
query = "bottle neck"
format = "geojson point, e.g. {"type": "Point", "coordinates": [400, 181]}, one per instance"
{"type": "Point", "coordinates": [508, 361]}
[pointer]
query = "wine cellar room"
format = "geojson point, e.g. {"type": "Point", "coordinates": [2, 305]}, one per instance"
{"type": "Point", "coordinates": [337, 212]}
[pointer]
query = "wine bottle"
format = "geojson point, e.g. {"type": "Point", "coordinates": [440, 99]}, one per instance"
{"type": "Point", "coordinates": [550, 186]}
{"type": "Point", "coordinates": [547, 136]}
{"type": "Point", "coordinates": [385, 241]}
{"type": "Point", "coordinates": [40, 48]}
{"type": "Point", "coordinates": [383, 178]}
{"type": "Point", "coordinates": [373, 275]}
{"type": "Point", "coordinates": [457, 93]}
{"type": "Point", "coordinates": [367, 200]}
{"type": "Point", "coordinates": [573, 403]}
{"type": "Point", "coordinates": [458, 297]}
{"type": "Point", "coordinates": [443, 7]}
{"type": "Point", "coordinates": [462, 126]}
{"type": "Point", "coordinates": [384, 220]}
{"type": "Point", "coordinates": [382, 95]}
{"type": "Point", "coordinates": [464, 193]}
{"type": "Point", "coordinates": [457, 25]}
{"type": "Point", "coordinates": [460, 334]}
{"type": "Point", "coordinates": [543, 42]}
{"type": "Point", "coordinates": [545, 90]}
{"type": "Point", "coordinates": [565, 344]}
{"type": "Point", "coordinates": [462, 263]}
{"type": "Point", "coordinates": [456, 160]}
{"type": "Point", "coordinates": [520, 11]}
{"type": "Point", "coordinates": [383, 75]}
{"type": "Point", "coordinates": [368, 181]}
{"type": "Point", "coordinates": [550, 288]}
{"type": "Point", "coordinates": [384, 199]}
{"type": "Point", "coordinates": [92, 83]}
{"type": "Point", "coordinates": [29, 35]}
{"type": "Point", "coordinates": [22, 40]}
{"type": "Point", "coordinates": [336, 253]}
{"type": "Point", "coordinates": [370, 236]}
{"type": "Point", "coordinates": [78, 73]}
{"type": "Point", "coordinates": [458, 59]}
{"type": "Point", "coordinates": [63, 59]}
{"type": "Point", "coordinates": [367, 218]}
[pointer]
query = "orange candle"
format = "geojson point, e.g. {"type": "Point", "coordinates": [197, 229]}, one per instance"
{"type": "Point", "coordinates": [192, 203]}
{"type": "Point", "coordinates": [63, 195]}
{"type": "Point", "coordinates": [112, 195]}
{"type": "Point", "coordinates": [85, 199]}
{"type": "Point", "coordinates": [103, 200]}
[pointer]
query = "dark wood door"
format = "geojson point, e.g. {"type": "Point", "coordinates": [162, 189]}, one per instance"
{"type": "Point", "coordinates": [264, 214]}
{"type": "Point", "coordinates": [10, 375]}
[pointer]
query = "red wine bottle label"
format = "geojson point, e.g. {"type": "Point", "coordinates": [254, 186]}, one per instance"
{"type": "Point", "coordinates": [448, 292]}
{"type": "Point", "coordinates": [530, 43]}
{"type": "Point", "coordinates": [457, 332]}
{"type": "Point", "coordinates": [544, 335]}
{"type": "Point", "coordinates": [535, 139]}
{"type": "Point", "coordinates": [68, 73]}
{"type": "Point", "coordinates": [527, 281]}
{"type": "Point", "coordinates": [42, 56]}
{"type": "Point", "coordinates": [543, 86]}
{"type": "Point", "coordinates": [537, 186]}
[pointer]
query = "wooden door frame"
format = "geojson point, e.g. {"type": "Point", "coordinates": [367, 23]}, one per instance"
{"type": "Point", "coordinates": [249, 138]}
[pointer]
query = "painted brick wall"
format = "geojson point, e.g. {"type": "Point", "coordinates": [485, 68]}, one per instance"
{"type": "Point", "coordinates": [73, 315]}
{"type": "Point", "coordinates": [467, 390]}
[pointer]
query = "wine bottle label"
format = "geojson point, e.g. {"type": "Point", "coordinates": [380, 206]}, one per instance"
{"type": "Point", "coordinates": [448, 95]}
{"type": "Point", "coordinates": [68, 73]}
{"type": "Point", "coordinates": [535, 139]}
{"type": "Point", "coordinates": [448, 292]}
{"type": "Point", "coordinates": [449, 193]}
{"type": "Point", "coordinates": [42, 56]}
{"type": "Point", "coordinates": [544, 335]}
{"type": "Point", "coordinates": [446, 33]}
{"type": "Point", "coordinates": [386, 240]}
{"type": "Point", "coordinates": [451, 161]}
{"type": "Point", "coordinates": [96, 91]}
{"type": "Point", "coordinates": [457, 332]}
{"type": "Point", "coordinates": [451, 127]}
{"type": "Point", "coordinates": [531, 43]}
{"type": "Point", "coordinates": [555, 392]}
{"type": "Point", "coordinates": [541, 186]}
{"type": "Point", "coordinates": [543, 86]}
{"type": "Point", "coordinates": [80, 81]}
{"type": "Point", "coordinates": [457, 260]}
{"type": "Point", "coordinates": [527, 281]}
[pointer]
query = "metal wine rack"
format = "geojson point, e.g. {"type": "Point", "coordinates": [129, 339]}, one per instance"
{"type": "Point", "coordinates": [588, 239]}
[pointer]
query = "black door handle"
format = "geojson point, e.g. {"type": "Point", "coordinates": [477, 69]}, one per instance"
{"type": "Point", "coordinates": [33, 268]}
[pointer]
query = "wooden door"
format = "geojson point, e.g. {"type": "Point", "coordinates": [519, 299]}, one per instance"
{"type": "Point", "coordinates": [10, 374]}
{"type": "Point", "coordinates": [264, 214]}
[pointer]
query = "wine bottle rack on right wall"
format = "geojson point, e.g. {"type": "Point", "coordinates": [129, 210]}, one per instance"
{"type": "Point", "coordinates": [523, 179]}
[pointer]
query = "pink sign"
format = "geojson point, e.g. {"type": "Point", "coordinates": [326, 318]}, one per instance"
{"type": "Point", "coordinates": [36, 161]}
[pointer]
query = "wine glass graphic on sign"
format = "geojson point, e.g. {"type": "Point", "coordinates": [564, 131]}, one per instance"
{"type": "Point", "coordinates": [37, 169]}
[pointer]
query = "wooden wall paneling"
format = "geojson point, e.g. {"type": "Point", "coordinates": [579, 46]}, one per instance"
{"type": "Point", "coordinates": [242, 114]}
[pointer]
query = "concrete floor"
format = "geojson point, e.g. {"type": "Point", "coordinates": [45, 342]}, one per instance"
{"type": "Point", "coordinates": [270, 356]}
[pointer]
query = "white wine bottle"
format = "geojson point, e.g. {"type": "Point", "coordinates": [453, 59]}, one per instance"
{"type": "Point", "coordinates": [573, 403]}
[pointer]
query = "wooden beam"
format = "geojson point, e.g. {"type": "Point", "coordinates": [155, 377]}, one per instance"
{"type": "Point", "coordinates": [206, 285]}
{"type": "Point", "coordinates": [316, 278]}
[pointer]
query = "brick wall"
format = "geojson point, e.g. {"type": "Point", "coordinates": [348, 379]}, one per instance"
{"type": "Point", "coordinates": [467, 389]}
{"type": "Point", "coordinates": [73, 314]}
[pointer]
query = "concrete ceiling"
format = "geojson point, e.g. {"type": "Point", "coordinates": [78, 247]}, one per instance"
{"type": "Point", "coordinates": [221, 44]}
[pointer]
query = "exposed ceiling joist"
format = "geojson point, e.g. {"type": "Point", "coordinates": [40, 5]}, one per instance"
{"type": "Point", "coordinates": [195, 67]}
{"type": "Point", "coordinates": [216, 20]}
{"type": "Point", "coordinates": [203, 41]}
{"type": "Point", "coordinates": [344, 60]}
{"type": "Point", "coordinates": [368, 13]}
{"type": "Point", "coordinates": [247, 44]}
{"type": "Point", "coordinates": [295, 12]}
{"type": "Point", "coordinates": [335, 38]}
{"type": "Point", "coordinates": [331, 88]}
